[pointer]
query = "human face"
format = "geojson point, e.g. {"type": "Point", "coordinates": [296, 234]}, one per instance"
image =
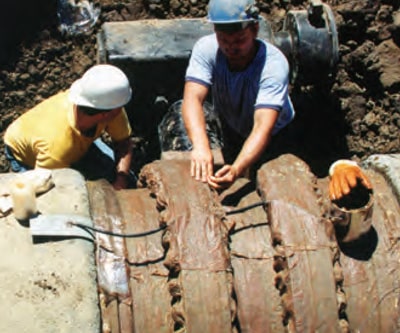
{"type": "Point", "coordinates": [89, 119]}
{"type": "Point", "coordinates": [91, 112]}
{"type": "Point", "coordinates": [239, 47]}
{"type": "Point", "coordinates": [108, 115]}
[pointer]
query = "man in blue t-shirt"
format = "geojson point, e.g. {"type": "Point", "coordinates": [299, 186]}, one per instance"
{"type": "Point", "coordinates": [248, 79]}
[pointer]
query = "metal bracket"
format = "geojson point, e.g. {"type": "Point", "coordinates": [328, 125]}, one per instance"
{"type": "Point", "coordinates": [60, 225]}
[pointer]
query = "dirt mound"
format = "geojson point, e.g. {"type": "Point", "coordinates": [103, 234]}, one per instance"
{"type": "Point", "coordinates": [357, 117]}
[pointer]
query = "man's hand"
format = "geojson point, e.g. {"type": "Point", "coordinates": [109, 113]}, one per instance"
{"type": "Point", "coordinates": [224, 177]}
{"type": "Point", "coordinates": [344, 176]}
{"type": "Point", "coordinates": [123, 158]}
{"type": "Point", "coordinates": [201, 166]}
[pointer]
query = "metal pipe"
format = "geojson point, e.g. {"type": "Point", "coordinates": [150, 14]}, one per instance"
{"type": "Point", "coordinates": [351, 224]}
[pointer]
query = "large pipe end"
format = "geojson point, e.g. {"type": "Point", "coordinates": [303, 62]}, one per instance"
{"type": "Point", "coordinates": [314, 44]}
{"type": "Point", "coordinates": [352, 215]}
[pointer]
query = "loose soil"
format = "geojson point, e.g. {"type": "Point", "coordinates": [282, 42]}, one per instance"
{"type": "Point", "coordinates": [357, 116]}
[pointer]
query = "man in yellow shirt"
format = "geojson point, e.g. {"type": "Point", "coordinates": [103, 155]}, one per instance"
{"type": "Point", "coordinates": [59, 132]}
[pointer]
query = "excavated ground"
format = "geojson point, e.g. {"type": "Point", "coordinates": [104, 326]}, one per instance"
{"type": "Point", "coordinates": [358, 116]}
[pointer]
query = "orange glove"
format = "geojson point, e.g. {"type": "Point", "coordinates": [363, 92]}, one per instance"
{"type": "Point", "coordinates": [344, 175]}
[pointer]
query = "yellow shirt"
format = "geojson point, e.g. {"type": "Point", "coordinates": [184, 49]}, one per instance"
{"type": "Point", "coordinates": [46, 135]}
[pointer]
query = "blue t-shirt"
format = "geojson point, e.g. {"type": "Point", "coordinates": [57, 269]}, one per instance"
{"type": "Point", "coordinates": [236, 95]}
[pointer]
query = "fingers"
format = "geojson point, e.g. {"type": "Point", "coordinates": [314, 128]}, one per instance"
{"type": "Point", "coordinates": [365, 181]}
{"type": "Point", "coordinates": [346, 182]}
{"type": "Point", "coordinates": [200, 170]}
{"type": "Point", "coordinates": [223, 171]}
{"type": "Point", "coordinates": [209, 169]}
{"type": "Point", "coordinates": [223, 178]}
{"type": "Point", "coordinates": [218, 183]}
{"type": "Point", "coordinates": [212, 181]}
{"type": "Point", "coordinates": [195, 169]}
{"type": "Point", "coordinates": [336, 188]}
{"type": "Point", "coordinates": [350, 179]}
{"type": "Point", "coordinates": [355, 176]}
{"type": "Point", "coordinates": [341, 184]}
{"type": "Point", "coordinates": [201, 165]}
{"type": "Point", "coordinates": [199, 173]}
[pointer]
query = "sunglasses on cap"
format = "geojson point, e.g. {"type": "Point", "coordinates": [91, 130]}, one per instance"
{"type": "Point", "coordinates": [91, 111]}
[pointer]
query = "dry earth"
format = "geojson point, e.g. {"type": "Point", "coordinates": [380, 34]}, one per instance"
{"type": "Point", "coordinates": [358, 116]}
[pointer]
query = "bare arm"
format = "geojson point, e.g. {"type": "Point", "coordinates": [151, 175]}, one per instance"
{"type": "Point", "coordinates": [123, 158]}
{"type": "Point", "coordinates": [253, 147]}
{"type": "Point", "coordinates": [258, 140]}
{"type": "Point", "coordinates": [195, 124]}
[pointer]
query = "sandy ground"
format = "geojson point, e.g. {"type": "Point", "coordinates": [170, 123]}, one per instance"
{"type": "Point", "coordinates": [48, 285]}
{"type": "Point", "coordinates": [357, 117]}
{"type": "Point", "coordinates": [51, 286]}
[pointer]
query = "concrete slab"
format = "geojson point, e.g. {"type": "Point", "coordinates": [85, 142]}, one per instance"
{"type": "Point", "coordinates": [49, 285]}
{"type": "Point", "coordinates": [389, 166]}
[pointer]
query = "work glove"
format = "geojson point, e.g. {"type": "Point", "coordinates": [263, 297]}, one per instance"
{"type": "Point", "coordinates": [345, 175]}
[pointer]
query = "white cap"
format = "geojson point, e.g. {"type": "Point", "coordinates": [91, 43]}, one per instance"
{"type": "Point", "coordinates": [102, 87]}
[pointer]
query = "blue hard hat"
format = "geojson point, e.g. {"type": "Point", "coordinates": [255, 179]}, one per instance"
{"type": "Point", "coordinates": [232, 11]}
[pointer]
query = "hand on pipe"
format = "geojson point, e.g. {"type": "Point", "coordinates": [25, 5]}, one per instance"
{"type": "Point", "coordinates": [201, 166]}
{"type": "Point", "coordinates": [224, 177]}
